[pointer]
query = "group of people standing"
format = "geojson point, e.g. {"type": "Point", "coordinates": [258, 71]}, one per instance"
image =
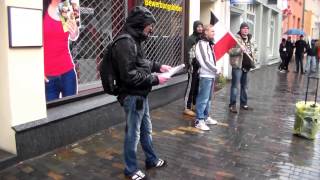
{"type": "Point", "coordinates": [136, 76]}
{"type": "Point", "coordinates": [202, 72]}
{"type": "Point", "coordinates": [300, 47]}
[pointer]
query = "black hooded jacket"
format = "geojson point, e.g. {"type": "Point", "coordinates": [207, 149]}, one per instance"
{"type": "Point", "coordinates": [192, 40]}
{"type": "Point", "coordinates": [195, 36]}
{"type": "Point", "coordinates": [135, 71]}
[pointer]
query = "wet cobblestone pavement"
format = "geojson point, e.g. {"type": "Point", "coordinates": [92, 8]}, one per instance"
{"type": "Point", "coordinates": [255, 144]}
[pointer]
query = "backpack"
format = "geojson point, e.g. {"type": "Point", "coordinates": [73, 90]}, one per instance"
{"type": "Point", "coordinates": [109, 72]}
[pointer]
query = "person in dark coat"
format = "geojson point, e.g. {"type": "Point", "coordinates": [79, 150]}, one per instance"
{"type": "Point", "coordinates": [192, 66]}
{"type": "Point", "coordinates": [290, 48]}
{"type": "Point", "coordinates": [283, 55]}
{"type": "Point", "coordinates": [301, 47]}
{"type": "Point", "coordinates": [136, 81]}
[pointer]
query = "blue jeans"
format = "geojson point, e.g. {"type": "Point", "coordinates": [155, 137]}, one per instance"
{"type": "Point", "coordinates": [238, 77]}
{"type": "Point", "coordinates": [66, 84]}
{"type": "Point", "coordinates": [138, 127]}
{"type": "Point", "coordinates": [311, 64]}
{"type": "Point", "coordinates": [203, 102]}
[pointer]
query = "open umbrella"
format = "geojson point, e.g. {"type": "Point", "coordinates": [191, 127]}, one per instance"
{"type": "Point", "coordinates": [294, 31]}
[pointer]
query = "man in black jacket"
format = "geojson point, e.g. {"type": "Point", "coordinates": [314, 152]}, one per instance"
{"type": "Point", "coordinates": [301, 47]}
{"type": "Point", "coordinates": [136, 82]}
{"type": "Point", "coordinates": [283, 50]}
{"type": "Point", "coordinates": [290, 48]}
{"type": "Point", "coordinates": [192, 66]}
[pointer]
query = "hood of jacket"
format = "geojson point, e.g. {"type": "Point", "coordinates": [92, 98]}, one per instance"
{"type": "Point", "coordinates": [195, 25]}
{"type": "Point", "coordinates": [137, 20]}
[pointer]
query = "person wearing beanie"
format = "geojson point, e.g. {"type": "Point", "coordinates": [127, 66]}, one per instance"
{"type": "Point", "coordinates": [136, 81]}
{"type": "Point", "coordinates": [242, 59]}
{"type": "Point", "coordinates": [244, 25]}
{"type": "Point", "coordinates": [192, 66]}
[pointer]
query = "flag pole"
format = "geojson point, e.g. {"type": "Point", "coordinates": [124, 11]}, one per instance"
{"type": "Point", "coordinates": [234, 38]}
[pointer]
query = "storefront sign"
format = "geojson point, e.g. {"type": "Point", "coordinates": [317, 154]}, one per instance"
{"type": "Point", "coordinates": [242, 1]}
{"type": "Point", "coordinates": [23, 24]}
{"type": "Point", "coordinates": [161, 5]}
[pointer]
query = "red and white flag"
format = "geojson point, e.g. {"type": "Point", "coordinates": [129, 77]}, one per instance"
{"type": "Point", "coordinates": [224, 40]}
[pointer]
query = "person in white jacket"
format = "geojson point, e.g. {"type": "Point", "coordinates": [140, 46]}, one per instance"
{"type": "Point", "coordinates": [207, 73]}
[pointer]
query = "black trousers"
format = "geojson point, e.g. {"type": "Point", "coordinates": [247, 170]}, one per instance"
{"type": "Point", "coordinates": [191, 90]}
{"type": "Point", "coordinates": [299, 62]}
{"type": "Point", "coordinates": [284, 63]}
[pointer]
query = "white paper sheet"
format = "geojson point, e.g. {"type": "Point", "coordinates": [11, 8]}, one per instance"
{"type": "Point", "coordinates": [172, 71]}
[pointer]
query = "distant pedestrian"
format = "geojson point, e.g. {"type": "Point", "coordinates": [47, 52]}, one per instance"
{"type": "Point", "coordinates": [301, 47]}
{"type": "Point", "coordinates": [207, 73]}
{"type": "Point", "coordinates": [136, 81]}
{"type": "Point", "coordinates": [311, 57]}
{"type": "Point", "coordinates": [290, 48]}
{"type": "Point", "coordinates": [192, 66]}
{"type": "Point", "coordinates": [241, 64]}
{"type": "Point", "coordinates": [317, 43]}
{"type": "Point", "coordinates": [284, 56]}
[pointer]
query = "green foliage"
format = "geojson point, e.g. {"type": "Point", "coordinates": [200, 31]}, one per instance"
{"type": "Point", "coordinates": [221, 81]}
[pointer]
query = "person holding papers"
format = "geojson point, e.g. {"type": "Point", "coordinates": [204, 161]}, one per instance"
{"type": "Point", "coordinates": [136, 81]}
{"type": "Point", "coordinates": [207, 73]}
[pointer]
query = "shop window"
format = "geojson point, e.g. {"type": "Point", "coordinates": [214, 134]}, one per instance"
{"type": "Point", "coordinates": [270, 43]}
{"type": "Point", "coordinates": [165, 45]}
{"type": "Point", "coordinates": [102, 20]}
{"type": "Point", "coordinates": [251, 22]}
{"type": "Point", "coordinates": [97, 30]}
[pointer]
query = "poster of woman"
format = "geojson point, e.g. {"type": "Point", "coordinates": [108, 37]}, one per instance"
{"type": "Point", "coordinates": [61, 20]}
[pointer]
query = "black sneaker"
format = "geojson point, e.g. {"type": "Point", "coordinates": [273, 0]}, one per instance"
{"type": "Point", "coordinates": [159, 164]}
{"type": "Point", "coordinates": [233, 109]}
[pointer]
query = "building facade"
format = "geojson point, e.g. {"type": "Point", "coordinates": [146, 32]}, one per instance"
{"type": "Point", "coordinates": [312, 19]}
{"type": "Point", "coordinates": [263, 17]}
{"type": "Point", "coordinates": [293, 16]}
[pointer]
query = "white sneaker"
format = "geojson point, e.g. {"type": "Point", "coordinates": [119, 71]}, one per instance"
{"type": "Point", "coordinates": [210, 121]}
{"type": "Point", "coordinates": [201, 125]}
